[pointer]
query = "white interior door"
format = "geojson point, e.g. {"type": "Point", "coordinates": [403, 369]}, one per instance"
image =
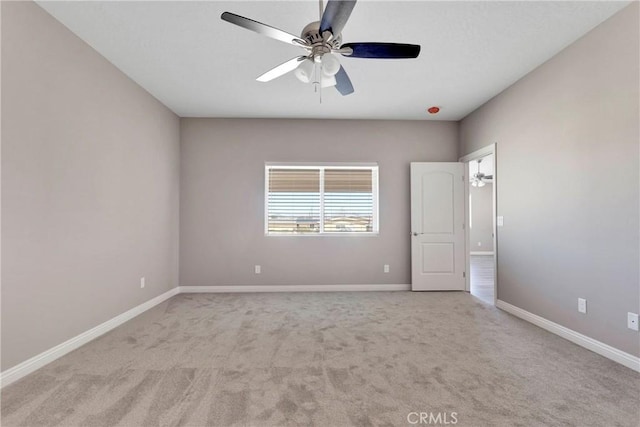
{"type": "Point", "coordinates": [437, 227]}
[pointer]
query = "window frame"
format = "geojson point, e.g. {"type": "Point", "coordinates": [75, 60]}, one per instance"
{"type": "Point", "coordinates": [321, 166]}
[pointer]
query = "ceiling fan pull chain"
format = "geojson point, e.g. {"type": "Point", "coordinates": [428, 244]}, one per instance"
{"type": "Point", "coordinates": [320, 80]}
{"type": "Point", "coordinates": [315, 77]}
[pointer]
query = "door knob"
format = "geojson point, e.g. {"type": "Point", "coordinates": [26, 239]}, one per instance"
{"type": "Point", "coordinates": [414, 233]}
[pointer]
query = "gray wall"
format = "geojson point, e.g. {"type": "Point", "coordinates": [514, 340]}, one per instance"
{"type": "Point", "coordinates": [567, 155]}
{"type": "Point", "coordinates": [481, 230]}
{"type": "Point", "coordinates": [222, 199]}
{"type": "Point", "coordinates": [89, 187]}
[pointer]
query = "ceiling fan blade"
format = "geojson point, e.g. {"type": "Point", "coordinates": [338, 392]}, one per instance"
{"type": "Point", "coordinates": [264, 29]}
{"type": "Point", "coordinates": [281, 69]}
{"type": "Point", "coordinates": [382, 50]}
{"type": "Point", "coordinates": [335, 16]}
{"type": "Point", "coordinates": [343, 83]}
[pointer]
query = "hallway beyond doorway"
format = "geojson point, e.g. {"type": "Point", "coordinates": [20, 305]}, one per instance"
{"type": "Point", "coordinates": [482, 277]}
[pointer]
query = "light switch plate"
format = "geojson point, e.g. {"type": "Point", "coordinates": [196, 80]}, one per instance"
{"type": "Point", "coordinates": [582, 305]}
{"type": "Point", "coordinates": [258, 270]}
{"type": "Point", "coordinates": [500, 221]}
{"type": "Point", "coordinates": [632, 321]}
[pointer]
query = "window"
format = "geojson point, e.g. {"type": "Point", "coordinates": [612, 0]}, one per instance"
{"type": "Point", "coordinates": [315, 199]}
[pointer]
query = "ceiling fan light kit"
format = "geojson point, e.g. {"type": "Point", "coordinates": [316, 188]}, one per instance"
{"type": "Point", "coordinates": [322, 40]}
{"type": "Point", "coordinates": [330, 64]}
{"type": "Point", "coordinates": [304, 71]}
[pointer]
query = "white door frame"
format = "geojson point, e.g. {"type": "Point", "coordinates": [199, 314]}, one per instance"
{"type": "Point", "coordinates": [485, 151]}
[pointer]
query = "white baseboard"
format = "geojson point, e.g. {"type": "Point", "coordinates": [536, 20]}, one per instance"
{"type": "Point", "coordinates": [481, 253]}
{"type": "Point", "coordinates": [626, 359]}
{"type": "Point", "coordinates": [15, 373]}
{"type": "Point", "coordinates": [292, 288]}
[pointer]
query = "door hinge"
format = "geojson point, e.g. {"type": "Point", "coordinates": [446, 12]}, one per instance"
{"type": "Point", "coordinates": [463, 225]}
{"type": "Point", "coordinates": [464, 274]}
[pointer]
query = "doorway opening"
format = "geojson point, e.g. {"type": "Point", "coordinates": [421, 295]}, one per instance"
{"type": "Point", "coordinates": [480, 211]}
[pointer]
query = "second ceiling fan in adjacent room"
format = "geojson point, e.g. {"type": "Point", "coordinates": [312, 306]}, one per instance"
{"type": "Point", "coordinates": [479, 179]}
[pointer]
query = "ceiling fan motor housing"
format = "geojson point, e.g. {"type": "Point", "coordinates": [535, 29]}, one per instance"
{"type": "Point", "coordinates": [311, 33]}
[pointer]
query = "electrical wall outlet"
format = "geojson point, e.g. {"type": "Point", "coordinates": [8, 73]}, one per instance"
{"type": "Point", "coordinates": [257, 269]}
{"type": "Point", "coordinates": [386, 268]}
{"type": "Point", "coordinates": [479, 243]}
{"type": "Point", "coordinates": [142, 282]}
{"type": "Point", "coordinates": [632, 321]}
{"type": "Point", "coordinates": [582, 305]}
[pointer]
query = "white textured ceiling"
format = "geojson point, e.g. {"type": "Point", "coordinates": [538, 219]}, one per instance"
{"type": "Point", "coordinates": [201, 66]}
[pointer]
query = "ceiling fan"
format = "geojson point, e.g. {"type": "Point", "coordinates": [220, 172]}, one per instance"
{"type": "Point", "coordinates": [322, 40]}
{"type": "Point", "coordinates": [479, 179]}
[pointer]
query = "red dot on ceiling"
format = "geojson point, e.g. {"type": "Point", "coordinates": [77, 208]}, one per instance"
{"type": "Point", "coordinates": [433, 110]}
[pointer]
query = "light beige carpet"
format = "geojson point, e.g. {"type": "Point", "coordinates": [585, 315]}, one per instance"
{"type": "Point", "coordinates": [326, 359]}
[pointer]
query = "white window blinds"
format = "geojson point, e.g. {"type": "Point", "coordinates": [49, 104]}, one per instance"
{"type": "Point", "coordinates": [293, 201]}
{"type": "Point", "coordinates": [315, 200]}
{"type": "Point", "coordinates": [348, 200]}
